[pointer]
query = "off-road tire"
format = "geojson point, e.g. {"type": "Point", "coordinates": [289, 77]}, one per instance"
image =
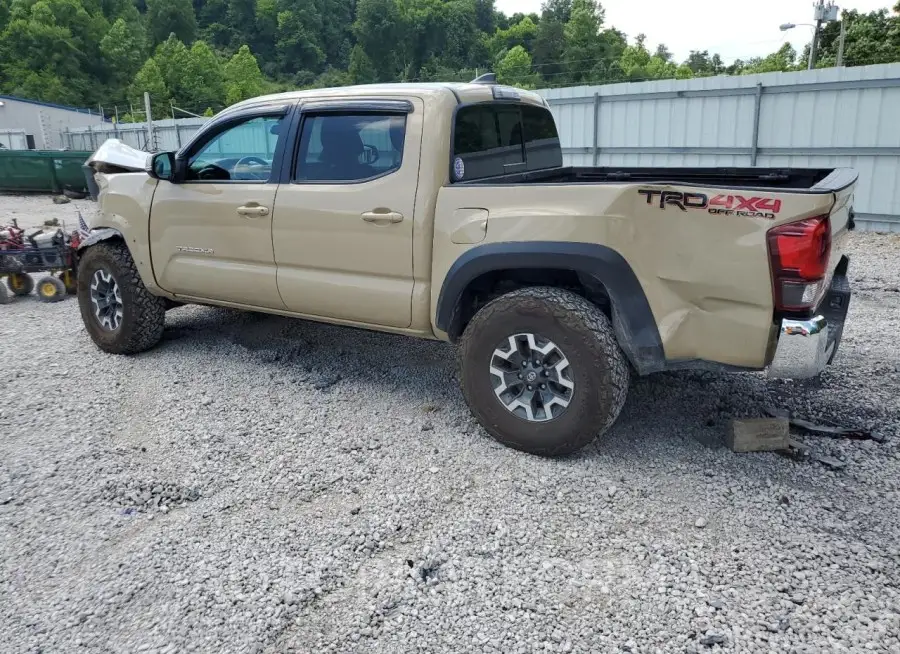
{"type": "Point", "coordinates": [26, 281]}
{"type": "Point", "coordinates": [143, 314]}
{"type": "Point", "coordinates": [5, 296]}
{"type": "Point", "coordinates": [582, 331]}
{"type": "Point", "coordinates": [50, 290]}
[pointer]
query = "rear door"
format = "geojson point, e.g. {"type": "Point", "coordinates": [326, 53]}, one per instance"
{"type": "Point", "coordinates": [211, 232]}
{"type": "Point", "coordinates": [343, 225]}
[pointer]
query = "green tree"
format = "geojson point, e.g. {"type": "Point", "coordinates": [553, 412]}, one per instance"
{"type": "Point", "coordinates": [485, 16]}
{"type": "Point", "coordinates": [332, 77]}
{"type": "Point", "coordinates": [636, 63]}
{"type": "Point", "coordinates": [149, 79]}
{"type": "Point", "coordinates": [523, 33]}
{"type": "Point", "coordinates": [166, 17]}
{"type": "Point", "coordinates": [172, 57]}
{"type": "Point", "coordinates": [201, 81]}
{"type": "Point", "coordinates": [589, 50]}
{"type": "Point", "coordinates": [550, 42]}
{"type": "Point", "coordinates": [702, 64]}
{"type": "Point", "coordinates": [336, 32]}
{"type": "Point", "coordinates": [124, 48]}
{"type": "Point", "coordinates": [50, 50]}
{"type": "Point", "coordinates": [380, 30]}
{"type": "Point", "coordinates": [783, 60]}
{"type": "Point", "coordinates": [243, 79]}
{"type": "Point", "coordinates": [558, 10]}
{"type": "Point", "coordinates": [872, 38]}
{"type": "Point", "coordinates": [515, 68]}
{"type": "Point", "coordinates": [361, 70]}
{"type": "Point", "coordinates": [4, 14]}
{"type": "Point", "coordinates": [297, 44]}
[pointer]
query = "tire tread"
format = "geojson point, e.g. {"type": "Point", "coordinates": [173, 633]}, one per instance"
{"type": "Point", "coordinates": [148, 313]}
{"type": "Point", "coordinates": [584, 318]}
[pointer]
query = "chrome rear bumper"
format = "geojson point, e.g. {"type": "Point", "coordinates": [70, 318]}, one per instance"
{"type": "Point", "coordinates": [805, 347]}
{"type": "Point", "coordinates": [802, 350]}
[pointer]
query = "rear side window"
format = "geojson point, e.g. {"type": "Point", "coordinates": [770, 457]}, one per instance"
{"type": "Point", "coordinates": [498, 139]}
{"type": "Point", "coordinates": [542, 147]}
{"type": "Point", "coordinates": [350, 147]}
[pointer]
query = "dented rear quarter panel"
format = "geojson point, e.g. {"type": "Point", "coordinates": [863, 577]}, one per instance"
{"type": "Point", "coordinates": [706, 276]}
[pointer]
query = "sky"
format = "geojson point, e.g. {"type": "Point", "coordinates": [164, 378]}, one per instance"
{"type": "Point", "coordinates": [734, 29]}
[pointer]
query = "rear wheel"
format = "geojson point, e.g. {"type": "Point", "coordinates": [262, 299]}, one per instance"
{"type": "Point", "coordinates": [50, 289]}
{"type": "Point", "coordinates": [119, 313]}
{"type": "Point", "coordinates": [20, 283]}
{"type": "Point", "coordinates": [542, 371]}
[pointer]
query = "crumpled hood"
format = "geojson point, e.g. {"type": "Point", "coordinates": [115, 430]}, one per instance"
{"type": "Point", "coordinates": [114, 156]}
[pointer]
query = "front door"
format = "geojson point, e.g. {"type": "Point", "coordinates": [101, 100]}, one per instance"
{"type": "Point", "coordinates": [343, 229]}
{"type": "Point", "coordinates": [211, 232]}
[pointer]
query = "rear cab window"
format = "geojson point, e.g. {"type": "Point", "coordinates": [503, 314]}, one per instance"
{"type": "Point", "coordinates": [493, 139]}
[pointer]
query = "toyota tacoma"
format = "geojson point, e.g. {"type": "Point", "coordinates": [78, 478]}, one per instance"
{"type": "Point", "coordinates": [444, 211]}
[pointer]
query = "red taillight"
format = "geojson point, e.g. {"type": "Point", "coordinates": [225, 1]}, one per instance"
{"type": "Point", "coordinates": [799, 254]}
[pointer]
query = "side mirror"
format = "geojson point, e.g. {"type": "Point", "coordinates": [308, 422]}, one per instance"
{"type": "Point", "coordinates": [162, 166]}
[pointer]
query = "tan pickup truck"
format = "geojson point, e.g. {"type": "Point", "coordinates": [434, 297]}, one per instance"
{"type": "Point", "coordinates": [443, 211]}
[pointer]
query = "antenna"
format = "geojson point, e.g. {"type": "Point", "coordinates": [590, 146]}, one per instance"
{"type": "Point", "coordinates": [487, 78]}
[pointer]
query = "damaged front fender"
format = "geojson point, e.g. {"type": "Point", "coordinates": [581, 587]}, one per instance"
{"type": "Point", "coordinates": [100, 235]}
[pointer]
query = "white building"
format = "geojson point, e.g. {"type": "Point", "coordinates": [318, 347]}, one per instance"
{"type": "Point", "coordinates": [33, 125]}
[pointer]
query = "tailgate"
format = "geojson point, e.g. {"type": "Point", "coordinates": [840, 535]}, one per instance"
{"type": "Point", "coordinates": [841, 184]}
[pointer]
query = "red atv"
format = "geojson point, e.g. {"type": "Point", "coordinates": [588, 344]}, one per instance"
{"type": "Point", "coordinates": [46, 249]}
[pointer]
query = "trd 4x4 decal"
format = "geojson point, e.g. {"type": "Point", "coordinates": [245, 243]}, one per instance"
{"type": "Point", "coordinates": [726, 205]}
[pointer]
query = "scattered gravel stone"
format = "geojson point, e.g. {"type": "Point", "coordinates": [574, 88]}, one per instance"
{"type": "Point", "coordinates": [712, 638]}
{"type": "Point", "coordinates": [701, 523]}
{"type": "Point", "coordinates": [263, 548]}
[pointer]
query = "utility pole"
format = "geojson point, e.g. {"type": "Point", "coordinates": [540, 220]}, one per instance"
{"type": "Point", "coordinates": [840, 54]}
{"type": "Point", "coordinates": [823, 14]}
{"type": "Point", "coordinates": [151, 141]}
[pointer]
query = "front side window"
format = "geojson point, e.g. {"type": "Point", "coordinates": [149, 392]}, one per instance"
{"type": "Point", "coordinates": [242, 153]}
{"type": "Point", "coordinates": [498, 139]}
{"type": "Point", "coordinates": [350, 147]}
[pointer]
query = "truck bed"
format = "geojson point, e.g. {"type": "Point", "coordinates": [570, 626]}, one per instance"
{"type": "Point", "coordinates": [809, 179]}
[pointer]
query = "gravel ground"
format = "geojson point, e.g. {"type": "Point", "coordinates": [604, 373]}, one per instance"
{"type": "Point", "coordinates": [257, 484]}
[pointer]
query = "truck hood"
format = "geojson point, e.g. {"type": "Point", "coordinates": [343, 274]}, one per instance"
{"type": "Point", "coordinates": [114, 156]}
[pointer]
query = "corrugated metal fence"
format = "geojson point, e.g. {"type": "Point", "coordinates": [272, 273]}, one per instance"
{"type": "Point", "coordinates": [167, 134]}
{"type": "Point", "coordinates": [822, 118]}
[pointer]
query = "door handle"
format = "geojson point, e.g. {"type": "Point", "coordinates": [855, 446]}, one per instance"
{"type": "Point", "coordinates": [382, 217]}
{"type": "Point", "coordinates": [253, 211]}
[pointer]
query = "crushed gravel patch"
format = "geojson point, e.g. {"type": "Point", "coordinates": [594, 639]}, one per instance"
{"type": "Point", "coordinates": [259, 484]}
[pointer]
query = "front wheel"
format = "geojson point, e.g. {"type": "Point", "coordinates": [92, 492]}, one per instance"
{"type": "Point", "coordinates": [119, 313]}
{"type": "Point", "coordinates": [542, 371]}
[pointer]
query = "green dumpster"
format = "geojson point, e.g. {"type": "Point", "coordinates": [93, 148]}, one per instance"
{"type": "Point", "coordinates": [48, 171]}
